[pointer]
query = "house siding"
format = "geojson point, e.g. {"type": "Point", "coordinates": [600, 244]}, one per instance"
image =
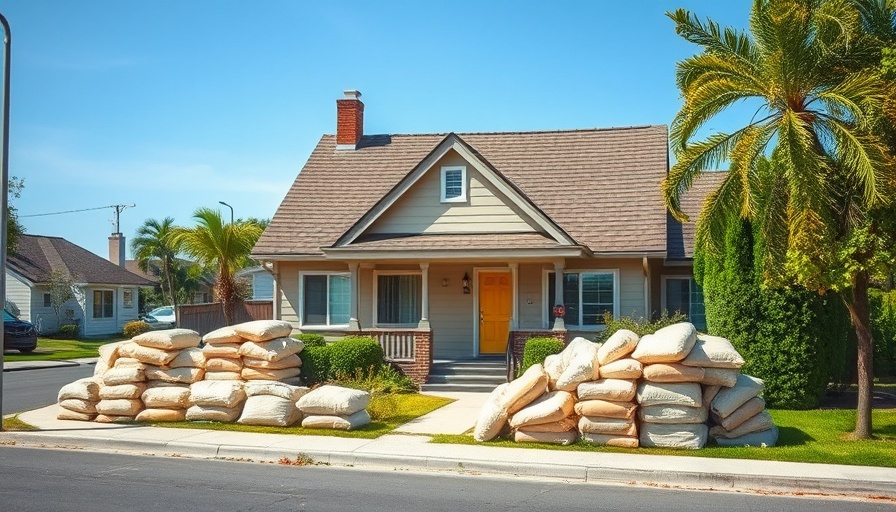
{"type": "Point", "coordinates": [451, 312]}
{"type": "Point", "coordinates": [18, 297]}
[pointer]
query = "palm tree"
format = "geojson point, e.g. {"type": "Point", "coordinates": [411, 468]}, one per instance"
{"type": "Point", "coordinates": [224, 246]}
{"type": "Point", "coordinates": [804, 66]}
{"type": "Point", "coordinates": [155, 244]}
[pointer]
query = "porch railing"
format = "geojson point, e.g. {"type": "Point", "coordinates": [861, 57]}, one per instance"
{"type": "Point", "coordinates": [397, 345]}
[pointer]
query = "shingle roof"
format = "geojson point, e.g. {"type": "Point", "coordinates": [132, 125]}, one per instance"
{"type": "Point", "coordinates": [600, 186]}
{"type": "Point", "coordinates": [458, 241]}
{"type": "Point", "coordinates": [37, 256]}
{"type": "Point", "coordinates": [681, 235]}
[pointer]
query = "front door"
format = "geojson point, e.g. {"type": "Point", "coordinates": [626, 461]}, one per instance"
{"type": "Point", "coordinates": [495, 309]}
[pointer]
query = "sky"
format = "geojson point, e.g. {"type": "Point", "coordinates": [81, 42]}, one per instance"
{"type": "Point", "coordinates": [173, 105]}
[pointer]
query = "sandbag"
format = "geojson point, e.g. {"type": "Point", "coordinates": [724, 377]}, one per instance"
{"type": "Point", "coordinates": [672, 414]}
{"type": "Point", "coordinates": [226, 350]}
{"type": "Point", "coordinates": [213, 413]}
{"type": "Point", "coordinates": [492, 416]}
{"type": "Point", "coordinates": [532, 436]}
{"type": "Point", "coordinates": [148, 355]}
{"type": "Point", "coordinates": [614, 390]}
{"type": "Point", "coordinates": [65, 414]}
{"type": "Point", "coordinates": [606, 409]}
{"type": "Point", "coordinates": [750, 408]}
{"type": "Point", "coordinates": [87, 388]}
{"type": "Point", "coordinates": [290, 361]}
{"type": "Point", "coordinates": [269, 410]}
{"type": "Point", "coordinates": [524, 389]}
{"type": "Point", "coordinates": [729, 399]}
{"type": "Point", "coordinates": [619, 345]}
{"type": "Point", "coordinates": [552, 406]}
{"type": "Point", "coordinates": [151, 384]}
{"type": "Point", "coordinates": [272, 350]}
{"type": "Point", "coordinates": [610, 440]}
{"type": "Point", "coordinates": [581, 365]}
{"type": "Point", "coordinates": [672, 372]}
{"type": "Point", "coordinates": [275, 388]}
{"type": "Point", "coordinates": [223, 336]}
{"type": "Point", "coordinates": [691, 436]}
{"type": "Point", "coordinates": [709, 392]}
{"type": "Point", "coordinates": [263, 330]}
{"type": "Point", "coordinates": [129, 362]}
{"type": "Point", "coordinates": [169, 397]}
{"type": "Point", "coordinates": [564, 425]}
{"type": "Point", "coordinates": [763, 439]}
{"type": "Point", "coordinates": [758, 423]}
{"type": "Point", "coordinates": [108, 353]}
{"type": "Point", "coordinates": [220, 393]}
{"type": "Point", "coordinates": [221, 364]}
{"type": "Point", "coordinates": [224, 376]}
{"type": "Point", "coordinates": [667, 345]}
{"type": "Point", "coordinates": [79, 405]}
{"type": "Point", "coordinates": [333, 401]}
{"type": "Point", "coordinates": [626, 368]}
{"type": "Point", "coordinates": [672, 393]}
{"type": "Point", "coordinates": [553, 366]}
{"type": "Point", "coordinates": [100, 368]}
{"type": "Point", "coordinates": [613, 426]}
{"type": "Point", "coordinates": [178, 375]}
{"type": "Point", "coordinates": [259, 374]}
{"type": "Point", "coordinates": [349, 422]}
{"type": "Point", "coordinates": [188, 358]}
{"type": "Point", "coordinates": [168, 339]}
{"type": "Point", "coordinates": [119, 407]}
{"type": "Point", "coordinates": [725, 377]}
{"type": "Point", "coordinates": [112, 418]}
{"type": "Point", "coordinates": [713, 352]}
{"type": "Point", "coordinates": [116, 376]}
{"type": "Point", "coordinates": [130, 391]}
{"type": "Point", "coordinates": [154, 415]}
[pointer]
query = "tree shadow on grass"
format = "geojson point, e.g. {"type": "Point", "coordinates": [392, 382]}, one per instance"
{"type": "Point", "coordinates": [791, 436]}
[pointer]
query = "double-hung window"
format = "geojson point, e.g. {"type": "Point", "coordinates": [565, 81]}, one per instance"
{"type": "Point", "coordinates": [683, 295]}
{"type": "Point", "coordinates": [453, 184]}
{"type": "Point", "coordinates": [325, 298]}
{"type": "Point", "coordinates": [587, 295]}
{"type": "Point", "coordinates": [103, 303]}
{"type": "Point", "coordinates": [398, 299]}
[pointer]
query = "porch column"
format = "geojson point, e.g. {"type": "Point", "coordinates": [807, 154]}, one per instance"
{"type": "Point", "coordinates": [424, 302]}
{"type": "Point", "coordinates": [515, 317]}
{"type": "Point", "coordinates": [353, 324]}
{"type": "Point", "coordinates": [559, 265]}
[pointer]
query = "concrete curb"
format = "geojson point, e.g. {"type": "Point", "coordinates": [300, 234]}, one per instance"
{"type": "Point", "coordinates": [37, 365]}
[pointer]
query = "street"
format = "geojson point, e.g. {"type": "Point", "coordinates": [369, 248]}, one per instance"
{"type": "Point", "coordinates": [40, 480]}
{"type": "Point", "coordinates": [32, 389]}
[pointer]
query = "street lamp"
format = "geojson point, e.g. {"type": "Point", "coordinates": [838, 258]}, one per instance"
{"type": "Point", "coordinates": [231, 210]}
{"type": "Point", "coordinates": [4, 178]}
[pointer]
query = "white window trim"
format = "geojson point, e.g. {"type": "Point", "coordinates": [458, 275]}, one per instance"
{"type": "Point", "coordinates": [462, 198]}
{"type": "Point", "coordinates": [545, 286]}
{"type": "Point", "coordinates": [301, 312]}
{"type": "Point", "coordinates": [93, 304]}
{"type": "Point", "coordinates": [376, 297]}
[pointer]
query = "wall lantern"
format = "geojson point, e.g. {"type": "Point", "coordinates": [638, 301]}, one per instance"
{"type": "Point", "coordinates": [445, 282]}
{"type": "Point", "coordinates": [466, 283]}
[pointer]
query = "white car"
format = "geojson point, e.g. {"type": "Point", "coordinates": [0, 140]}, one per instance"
{"type": "Point", "coordinates": [161, 318]}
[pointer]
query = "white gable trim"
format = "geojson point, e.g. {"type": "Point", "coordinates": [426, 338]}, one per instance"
{"type": "Point", "coordinates": [27, 282]}
{"type": "Point", "coordinates": [454, 142]}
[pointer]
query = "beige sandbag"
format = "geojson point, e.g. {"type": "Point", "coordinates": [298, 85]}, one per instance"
{"type": "Point", "coordinates": [119, 407]}
{"type": "Point", "coordinates": [290, 361]}
{"type": "Point", "coordinates": [148, 355]}
{"type": "Point", "coordinates": [272, 350]}
{"type": "Point", "coordinates": [724, 377]}
{"type": "Point", "coordinates": [100, 368]}
{"type": "Point", "coordinates": [226, 350]}
{"type": "Point", "coordinates": [220, 393]}
{"type": "Point", "coordinates": [150, 384]}
{"type": "Point", "coordinates": [614, 390]}
{"type": "Point", "coordinates": [65, 414]}
{"type": "Point", "coordinates": [275, 388]}
{"type": "Point", "coordinates": [671, 393]}
{"type": "Point", "coordinates": [260, 374]}
{"type": "Point", "coordinates": [553, 366]}
{"type": "Point", "coordinates": [763, 439]}
{"type": "Point", "coordinates": [619, 345]}
{"type": "Point", "coordinates": [108, 353]}
{"type": "Point", "coordinates": [213, 413]}
{"type": "Point", "coordinates": [691, 436]}
{"type": "Point", "coordinates": [610, 440]}
{"type": "Point", "coordinates": [270, 410]}
{"type": "Point", "coordinates": [170, 397]}
{"type": "Point", "coordinates": [758, 423]}
{"type": "Point", "coordinates": [188, 358]}
{"type": "Point", "coordinates": [672, 372]}
{"type": "Point", "coordinates": [221, 364]}
{"type": "Point", "coordinates": [332, 400]}
{"type": "Point", "coordinates": [116, 376]}
{"type": "Point", "coordinates": [613, 426]}
{"type": "Point", "coordinates": [713, 352]}
{"type": "Point", "coordinates": [729, 399]}
{"type": "Point", "coordinates": [112, 418]}
{"type": "Point", "coordinates": [156, 415]}
{"type": "Point", "coordinates": [672, 414]}
{"type": "Point", "coordinates": [223, 336]}
{"type": "Point", "coordinates": [552, 406]}
{"type": "Point", "coordinates": [581, 364]}
{"type": "Point", "coordinates": [87, 388]}
{"type": "Point", "coordinates": [129, 362]}
{"type": "Point", "coordinates": [492, 416]}
{"type": "Point", "coordinates": [523, 390]}
{"type": "Point", "coordinates": [709, 392]}
{"type": "Point", "coordinates": [168, 339]}
{"type": "Point", "coordinates": [626, 368]}
{"type": "Point", "coordinates": [343, 422]}
{"type": "Point", "coordinates": [224, 376]}
{"type": "Point", "coordinates": [129, 391]}
{"type": "Point", "coordinates": [606, 409]}
{"type": "Point", "coordinates": [751, 408]}
{"type": "Point", "coordinates": [667, 345]}
{"type": "Point", "coordinates": [179, 375]}
{"type": "Point", "coordinates": [531, 436]}
{"type": "Point", "coordinates": [263, 330]}
{"type": "Point", "coordinates": [564, 425]}
{"type": "Point", "coordinates": [79, 405]}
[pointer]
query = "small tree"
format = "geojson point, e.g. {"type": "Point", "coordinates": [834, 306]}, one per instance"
{"type": "Point", "coordinates": [61, 286]}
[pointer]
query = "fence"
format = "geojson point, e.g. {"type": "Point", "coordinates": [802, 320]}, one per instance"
{"type": "Point", "coordinates": [397, 345]}
{"type": "Point", "coordinates": [204, 318]}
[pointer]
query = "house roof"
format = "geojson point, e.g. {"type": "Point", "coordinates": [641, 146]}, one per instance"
{"type": "Point", "coordinates": [600, 186]}
{"type": "Point", "coordinates": [681, 235]}
{"type": "Point", "coordinates": [37, 256]}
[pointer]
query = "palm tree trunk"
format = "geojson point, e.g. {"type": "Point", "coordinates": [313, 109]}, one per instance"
{"type": "Point", "coordinates": [859, 312]}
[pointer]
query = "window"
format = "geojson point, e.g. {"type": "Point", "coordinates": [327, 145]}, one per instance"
{"type": "Point", "coordinates": [454, 184]}
{"type": "Point", "coordinates": [103, 305]}
{"type": "Point", "coordinates": [682, 294]}
{"type": "Point", "coordinates": [325, 299]}
{"type": "Point", "coordinates": [587, 295]}
{"type": "Point", "coordinates": [127, 298]}
{"type": "Point", "coordinates": [201, 298]}
{"type": "Point", "coordinates": [47, 301]}
{"type": "Point", "coordinates": [398, 299]}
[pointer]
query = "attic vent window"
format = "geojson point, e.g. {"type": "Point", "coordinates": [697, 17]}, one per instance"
{"type": "Point", "coordinates": [454, 184]}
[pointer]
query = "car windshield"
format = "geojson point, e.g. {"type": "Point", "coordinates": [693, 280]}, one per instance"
{"type": "Point", "coordinates": [162, 312]}
{"type": "Point", "coordinates": [8, 317]}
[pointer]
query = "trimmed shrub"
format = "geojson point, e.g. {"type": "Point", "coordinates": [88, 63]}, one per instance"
{"type": "Point", "coordinates": [536, 349]}
{"type": "Point", "coordinates": [311, 340]}
{"type": "Point", "coordinates": [385, 379]}
{"type": "Point", "coordinates": [134, 328]}
{"type": "Point", "coordinates": [639, 326]}
{"type": "Point", "coordinates": [68, 332]}
{"type": "Point", "coordinates": [883, 329]}
{"type": "Point", "coordinates": [315, 364]}
{"type": "Point", "coordinates": [352, 354]}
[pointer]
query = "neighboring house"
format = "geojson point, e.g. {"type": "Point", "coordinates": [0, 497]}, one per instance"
{"type": "Point", "coordinates": [443, 244]}
{"type": "Point", "coordinates": [203, 295]}
{"type": "Point", "coordinates": [260, 282]}
{"type": "Point", "coordinates": [106, 294]}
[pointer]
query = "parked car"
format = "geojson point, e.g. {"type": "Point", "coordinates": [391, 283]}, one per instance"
{"type": "Point", "coordinates": [161, 318]}
{"type": "Point", "coordinates": [18, 334]}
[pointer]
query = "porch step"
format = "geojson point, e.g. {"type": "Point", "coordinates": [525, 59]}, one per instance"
{"type": "Point", "coordinates": [467, 375]}
{"type": "Point", "coordinates": [458, 388]}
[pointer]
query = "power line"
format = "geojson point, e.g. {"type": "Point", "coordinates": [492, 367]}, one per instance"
{"type": "Point", "coordinates": [118, 208]}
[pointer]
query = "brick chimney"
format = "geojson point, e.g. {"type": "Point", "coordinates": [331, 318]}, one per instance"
{"type": "Point", "coordinates": [116, 249]}
{"type": "Point", "coordinates": [349, 120]}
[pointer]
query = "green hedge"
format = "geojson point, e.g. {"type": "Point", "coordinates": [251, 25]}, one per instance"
{"type": "Point", "coordinates": [68, 332]}
{"type": "Point", "coordinates": [639, 326]}
{"type": "Point", "coordinates": [134, 328]}
{"type": "Point", "coordinates": [311, 340]}
{"type": "Point", "coordinates": [536, 349]}
{"type": "Point", "coordinates": [315, 364]}
{"type": "Point", "coordinates": [354, 354]}
{"type": "Point", "coordinates": [883, 329]}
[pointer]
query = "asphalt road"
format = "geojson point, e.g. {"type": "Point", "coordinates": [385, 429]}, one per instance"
{"type": "Point", "coordinates": [39, 480]}
{"type": "Point", "coordinates": [25, 390]}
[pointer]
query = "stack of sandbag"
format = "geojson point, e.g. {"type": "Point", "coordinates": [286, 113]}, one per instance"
{"type": "Point", "coordinates": [256, 350]}
{"type": "Point", "coordinates": [78, 399]}
{"type": "Point", "coordinates": [108, 354]}
{"type": "Point", "coordinates": [507, 399]}
{"type": "Point", "coordinates": [120, 394]}
{"type": "Point", "coordinates": [740, 416]}
{"type": "Point", "coordinates": [216, 400]}
{"type": "Point", "coordinates": [606, 404]}
{"type": "Point", "coordinates": [221, 349]}
{"type": "Point", "coordinates": [718, 358]}
{"type": "Point", "coordinates": [334, 407]}
{"type": "Point", "coordinates": [271, 403]}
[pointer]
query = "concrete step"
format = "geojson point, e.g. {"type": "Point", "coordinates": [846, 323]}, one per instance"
{"type": "Point", "coordinates": [453, 370]}
{"type": "Point", "coordinates": [462, 388]}
{"type": "Point", "coordinates": [492, 380]}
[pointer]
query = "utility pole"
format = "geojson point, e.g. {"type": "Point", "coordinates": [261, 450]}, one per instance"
{"type": "Point", "coordinates": [118, 209]}
{"type": "Point", "coordinates": [4, 177]}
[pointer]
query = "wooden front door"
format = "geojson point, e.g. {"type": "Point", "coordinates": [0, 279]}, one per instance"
{"type": "Point", "coordinates": [495, 310]}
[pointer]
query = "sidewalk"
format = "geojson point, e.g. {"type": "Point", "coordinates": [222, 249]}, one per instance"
{"type": "Point", "coordinates": [15, 366]}
{"type": "Point", "coordinates": [407, 449]}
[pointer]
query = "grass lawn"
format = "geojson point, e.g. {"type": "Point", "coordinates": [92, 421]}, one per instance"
{"type": "Point", "coordinates": [52, 350]}
{"type": "Point", "coordinates": [14, 423]}
{"type": "Point", "coordinates": [806, 436]}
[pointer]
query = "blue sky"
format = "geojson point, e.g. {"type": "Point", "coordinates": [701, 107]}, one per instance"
{"type": "Point", "coordinates": [176, 104]}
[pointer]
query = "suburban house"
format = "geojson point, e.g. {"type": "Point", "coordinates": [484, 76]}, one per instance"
{"type": "Point", "coordinates": [105, 293]}
{"type": "Point", "coordinates": [259, 281]}
{"type": "Point", "coordinates": [203, 292]}
{"type": "Point", "coordinates": [451, 245]}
